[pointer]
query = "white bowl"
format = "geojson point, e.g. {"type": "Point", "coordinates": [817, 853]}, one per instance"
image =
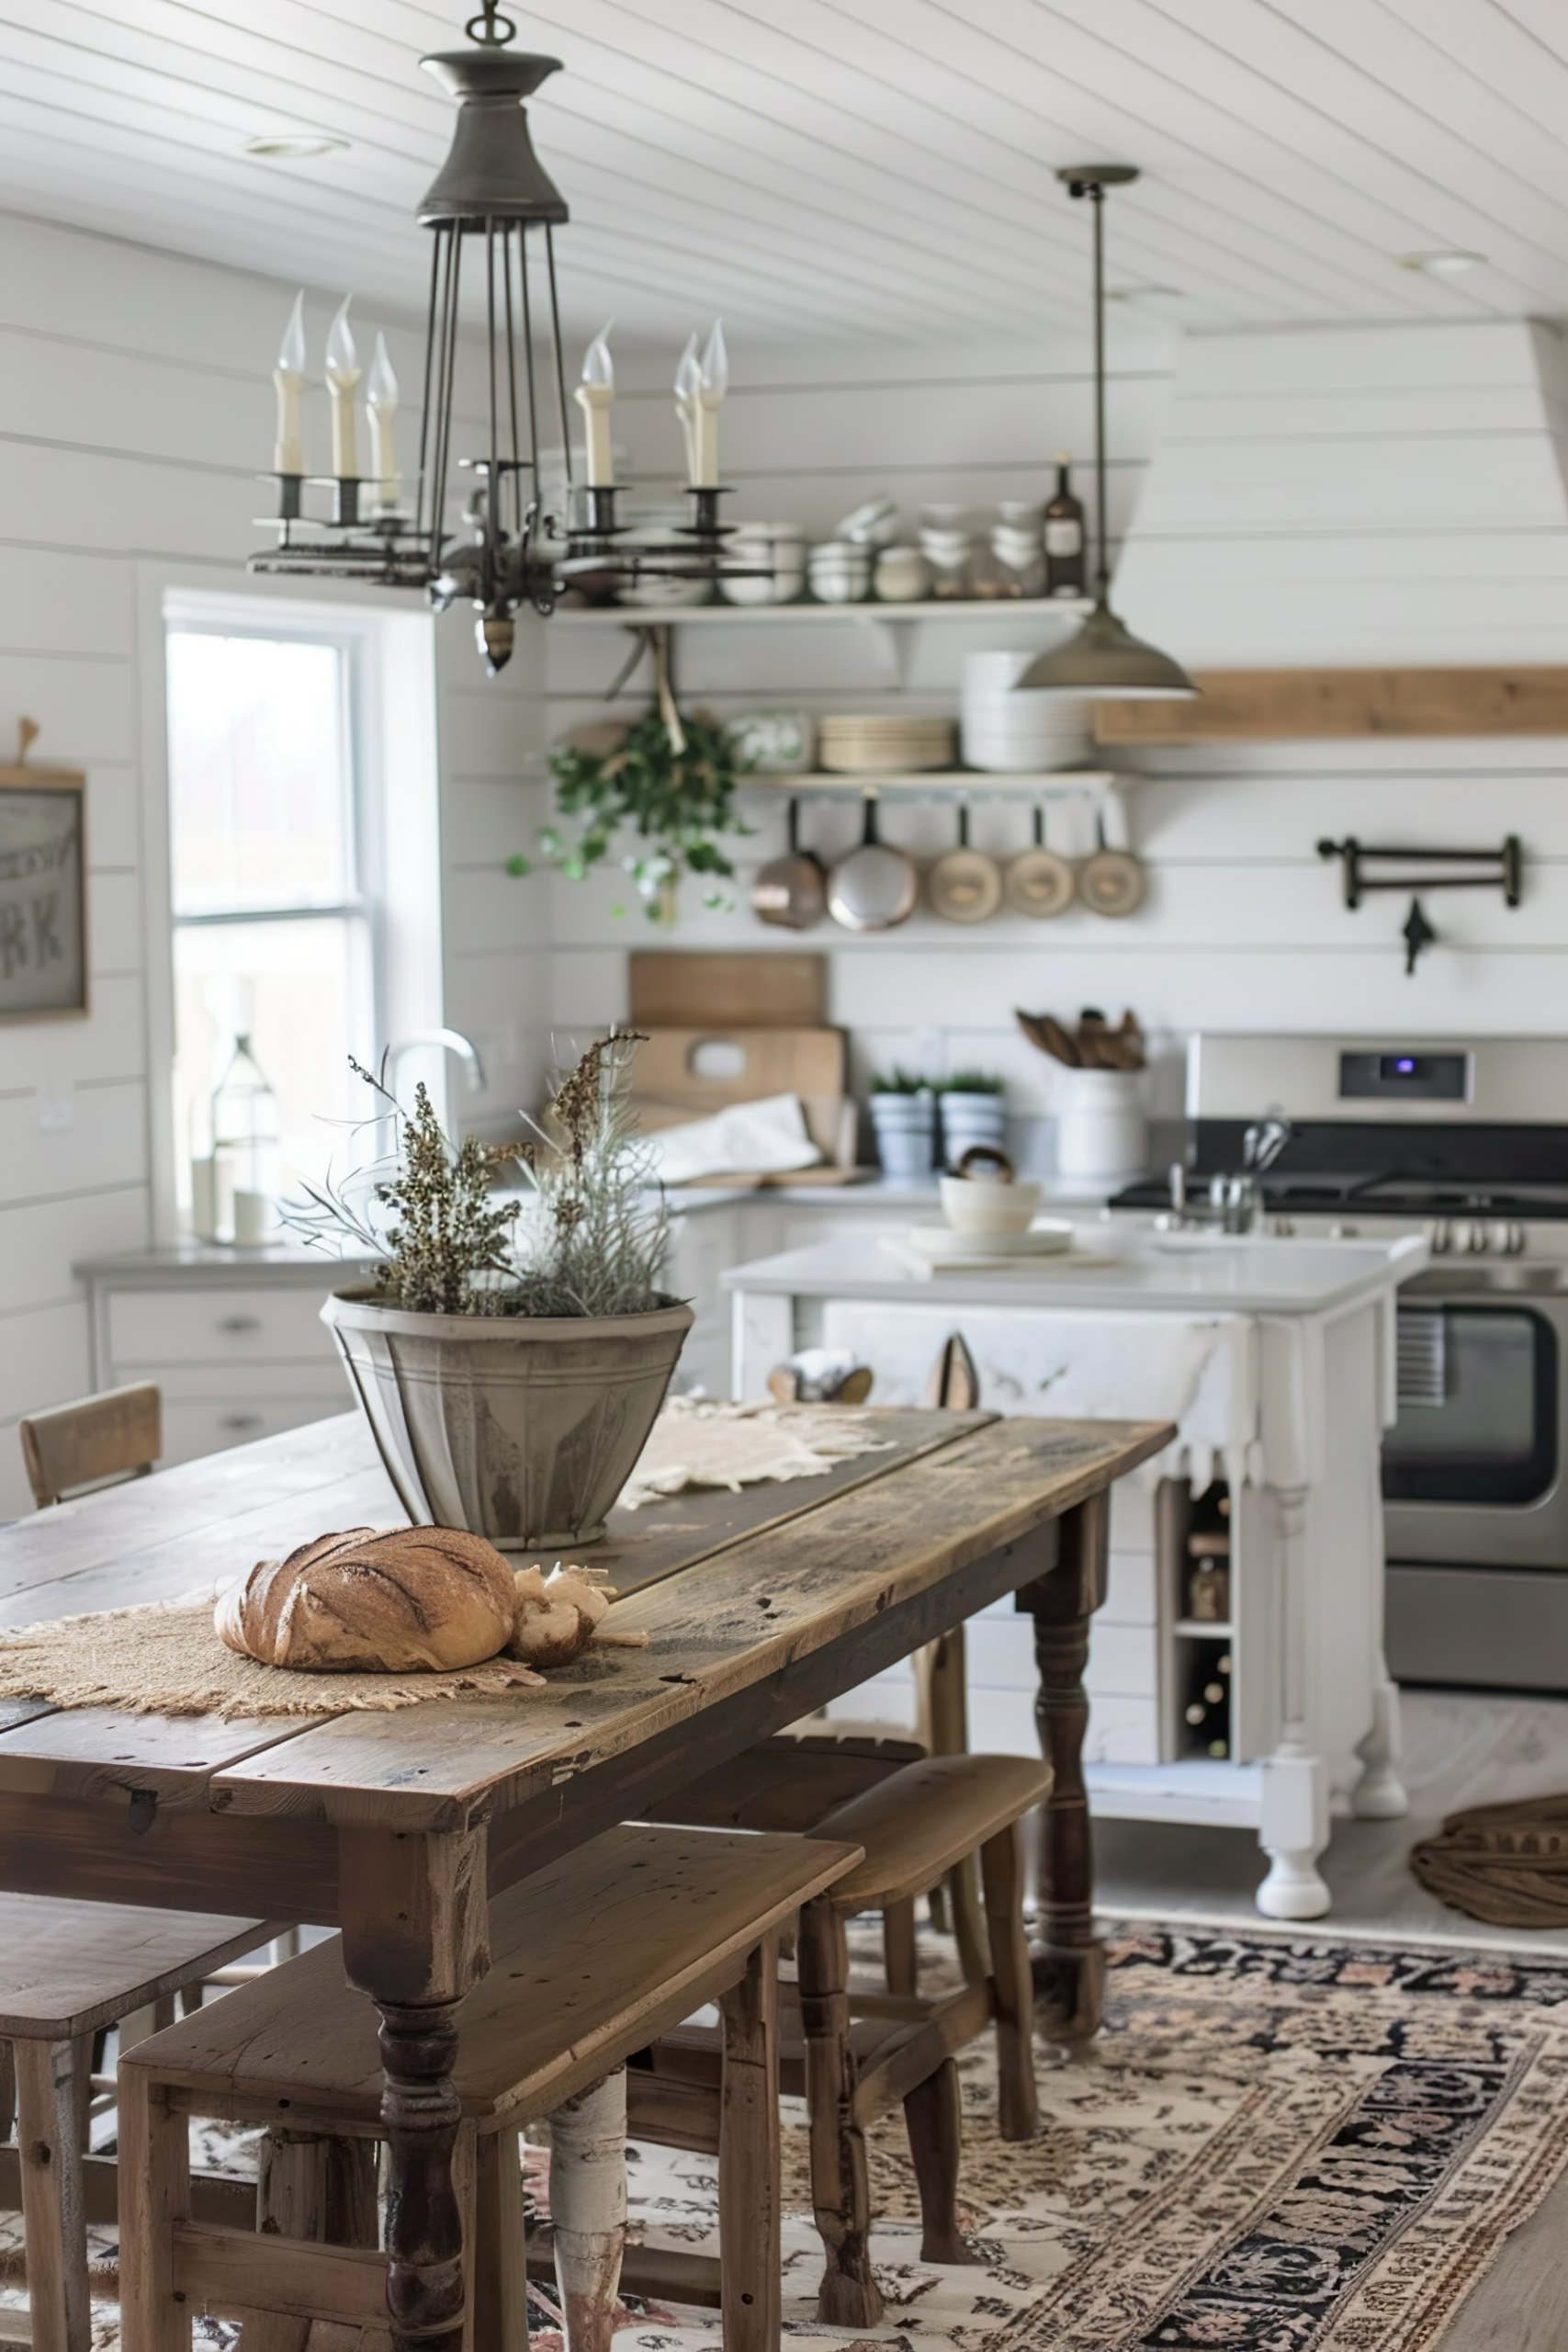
{"type": "Point", "coordinates": [972, 1205]}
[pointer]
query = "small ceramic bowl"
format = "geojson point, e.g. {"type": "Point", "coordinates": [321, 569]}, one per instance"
{"type": "Point", "coordinates": [980, 1207]}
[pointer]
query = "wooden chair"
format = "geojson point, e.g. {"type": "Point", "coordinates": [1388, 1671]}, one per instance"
{"type": "Point", "coordinates": [68, 1970]}
{"type": "Point", "coordinates": [589, 1960]}
{"type": "Point", "coordinates": [854, 2054]}
{"type": "Point", "coordinates": [118, 1434]}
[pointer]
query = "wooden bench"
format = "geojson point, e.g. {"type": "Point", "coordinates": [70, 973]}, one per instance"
{"type": "Point", "coordinates": [68, 1970]}
{"type": "Point", "coordinates": [591, 1959]}
{"type": "Point", "coordinates": [856, 2054]}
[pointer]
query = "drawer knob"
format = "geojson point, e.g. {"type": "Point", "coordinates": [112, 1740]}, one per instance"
{"type": "Point", "coordinates": [240, 1421]}
{"type": "Point", "coordinates": [239, 1323]}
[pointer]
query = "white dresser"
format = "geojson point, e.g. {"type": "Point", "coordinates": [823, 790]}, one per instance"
{"type": "Point", "coordinates": [233, 1338]}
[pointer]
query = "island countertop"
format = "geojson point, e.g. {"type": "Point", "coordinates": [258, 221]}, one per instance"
{"type": "Point", "coordinates": [1113, 1267]}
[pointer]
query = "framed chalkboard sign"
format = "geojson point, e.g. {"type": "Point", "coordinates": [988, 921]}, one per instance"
{"type": "Point", "coordinates": [43, 901]}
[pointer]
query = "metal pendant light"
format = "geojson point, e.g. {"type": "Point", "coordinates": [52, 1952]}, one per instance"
{"type": "Point", "coordinates": [1103, 660]}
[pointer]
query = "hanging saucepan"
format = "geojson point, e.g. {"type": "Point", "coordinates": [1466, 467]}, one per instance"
{"type": "Point", "coordinates": [1038, 882]}
{"type": "Point", "coordinates": [792, 890]}
{"type": "Point", "coordinates": [1112, 882]}
{"type": "Point", "coordinates": [875, 887]}
{"type": "Point", "coordinates": [966, 886]}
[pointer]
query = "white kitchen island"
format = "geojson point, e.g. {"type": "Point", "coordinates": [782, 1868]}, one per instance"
{"type": "Point", "coordinates": [1276, 1360]}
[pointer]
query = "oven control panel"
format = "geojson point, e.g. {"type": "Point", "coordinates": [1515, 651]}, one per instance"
{"type": "Point", "coordinates": [1412, 1076]}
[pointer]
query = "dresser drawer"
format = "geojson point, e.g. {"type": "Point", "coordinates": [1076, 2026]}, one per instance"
{"type": "Point", "coordinates": [192, 1428]}
{"type": "Point", "coordinates": [247, 1324]}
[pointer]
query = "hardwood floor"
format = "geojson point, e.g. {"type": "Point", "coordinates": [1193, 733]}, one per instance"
{"type": "Point", "coordinates": [1521, 2305]}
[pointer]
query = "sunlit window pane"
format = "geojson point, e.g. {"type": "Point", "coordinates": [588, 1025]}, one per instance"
{"type": "Point", "coordinates": [259, 777]}
{"type": "Point", "coordinates": [302, 990]}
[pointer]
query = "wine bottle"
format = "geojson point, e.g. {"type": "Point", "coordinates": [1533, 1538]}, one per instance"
{"type": "Point", "coordinates": [1065, 541]}
{"type": "Point", "coordinates": [1208, 1712]}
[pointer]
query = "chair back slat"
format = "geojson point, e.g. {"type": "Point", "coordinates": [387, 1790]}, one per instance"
{"type": "Point", "coordinates": [118, 1434]}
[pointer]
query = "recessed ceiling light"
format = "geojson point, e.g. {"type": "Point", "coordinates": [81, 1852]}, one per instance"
{"type": "Point", "coordinates": [1452, 263]}
{"type": "Point", "coordinates": [291, 145]}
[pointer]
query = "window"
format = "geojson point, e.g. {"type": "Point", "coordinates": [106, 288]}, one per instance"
{"type": "Point", "coordinates": [272, 891]}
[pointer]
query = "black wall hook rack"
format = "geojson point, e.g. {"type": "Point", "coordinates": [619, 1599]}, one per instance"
{"type": "Point", "coordinates": [1483, 869]}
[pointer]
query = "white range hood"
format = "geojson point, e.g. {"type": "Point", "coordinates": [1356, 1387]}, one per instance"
{"type": "Point", "coordinates": [1357, 495]}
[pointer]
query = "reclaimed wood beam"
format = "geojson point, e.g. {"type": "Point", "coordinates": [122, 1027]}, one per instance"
{"type": "Point", "coordinates": [1280, 706]}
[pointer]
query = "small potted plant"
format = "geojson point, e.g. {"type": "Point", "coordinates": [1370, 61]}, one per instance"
{"type": "Point", "coordinates": [903, 1113]}
{"type": "Point", "coordinates": [510, 1356]}
{"type": "Point", "coordinates": [973, 1111]}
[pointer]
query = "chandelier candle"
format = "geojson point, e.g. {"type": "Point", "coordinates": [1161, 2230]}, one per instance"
{"type": "Point", "coordinates": [381, 411]}
{"type": "Point", "coordinates": [688, 402]}
{"type": "Point", "coordinates": [288, 376]}
{"type": "Point", "coordinates": [712, 385]}
{"type": "Point", "coordinates": [596, 397]}
{"type": "Point", "coordinates": [342, 374]}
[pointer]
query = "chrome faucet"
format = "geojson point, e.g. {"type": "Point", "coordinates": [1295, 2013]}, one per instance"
{"type": "Point", "coordinates": [467, 1052]}
{"type": "Point", "coordinates": [1234, 1201]}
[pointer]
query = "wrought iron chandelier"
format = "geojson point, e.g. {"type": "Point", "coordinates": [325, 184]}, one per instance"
{"type": "Point", "coordinates": [489, 196]}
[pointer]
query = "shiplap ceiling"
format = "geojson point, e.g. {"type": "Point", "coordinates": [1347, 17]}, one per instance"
{"type": "Point", "coordinates": [842, 169]}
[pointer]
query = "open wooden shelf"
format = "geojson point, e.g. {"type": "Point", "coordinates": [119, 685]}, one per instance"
{"type": "Point", "coordinates": [1059, 783]}
{"type": "Point", "coordinates": [929, 609]}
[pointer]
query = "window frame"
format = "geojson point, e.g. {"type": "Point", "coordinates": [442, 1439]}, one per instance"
{"type": "Point", "coordinates": [394, 784]}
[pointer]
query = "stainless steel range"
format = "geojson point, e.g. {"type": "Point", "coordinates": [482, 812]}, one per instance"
{"type": "Point", "coordinates": [1466, 1142]}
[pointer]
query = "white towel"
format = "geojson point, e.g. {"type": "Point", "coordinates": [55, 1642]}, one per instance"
{"type": "Point", "coordinates": [767, 1137]}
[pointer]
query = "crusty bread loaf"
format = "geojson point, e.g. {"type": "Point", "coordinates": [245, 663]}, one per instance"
{"type": "Point", "coordinates": [374, 1600]}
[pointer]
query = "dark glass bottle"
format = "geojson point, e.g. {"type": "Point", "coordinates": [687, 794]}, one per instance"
{"type": "Point", "coordinates": [1208, 1710]}
{"type": "Point", "coordinates": [1066, 542]}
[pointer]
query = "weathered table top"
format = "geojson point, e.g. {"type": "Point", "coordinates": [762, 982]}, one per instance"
{"type": "Point", "coordinates": [734, 1591]}
{"type": "Point", "coordinates": [758, 1608]}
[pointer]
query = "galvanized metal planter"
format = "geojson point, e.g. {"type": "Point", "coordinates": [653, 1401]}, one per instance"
{"type": "Point", "coordinates": [521, 1430]}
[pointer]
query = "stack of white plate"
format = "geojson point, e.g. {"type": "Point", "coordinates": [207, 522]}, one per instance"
{"type": "Point", "coordinates": [891, 745]}
{"type": "Point", "coordinates": [1011, 731]}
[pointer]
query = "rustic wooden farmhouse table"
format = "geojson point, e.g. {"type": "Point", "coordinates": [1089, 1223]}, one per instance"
{"type": "Point", "coordinates": [759, 1607]}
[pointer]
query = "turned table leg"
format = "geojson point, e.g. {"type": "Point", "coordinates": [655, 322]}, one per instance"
{"type": "Point", "coordinates": [414, 1940]}
{"type": "Point", "coordinates": [1068, 1957]}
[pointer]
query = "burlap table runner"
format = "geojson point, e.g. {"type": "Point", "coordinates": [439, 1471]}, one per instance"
{"type": "Point", "coordinates": [166, 1660]}
{"type": "Point", "coordinates": [1505, 1863]}
{"type": "Point", "coordinates": [696, 1443]}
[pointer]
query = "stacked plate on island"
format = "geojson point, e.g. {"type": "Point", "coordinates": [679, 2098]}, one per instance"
{"type": "Point", "coordinates": [989, 1222]}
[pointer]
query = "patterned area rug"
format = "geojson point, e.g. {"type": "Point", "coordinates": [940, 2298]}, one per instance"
{"type": "Point", "coordinates": [1277, 2145]}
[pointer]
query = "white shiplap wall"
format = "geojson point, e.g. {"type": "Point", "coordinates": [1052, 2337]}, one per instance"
{"type": "Point", "coordinates": [1352, 496]}
{"type": "Point", "coordinates": [136, 406]}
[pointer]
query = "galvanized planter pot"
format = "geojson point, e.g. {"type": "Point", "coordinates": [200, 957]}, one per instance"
{"type": "Point", "coordinates": [522, 1431]}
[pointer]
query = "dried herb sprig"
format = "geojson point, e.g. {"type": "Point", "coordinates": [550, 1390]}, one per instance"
{"type": "Point", "coordinates": [591, 1241]}
{"type": "Point", "coordinates": [598, 1231]}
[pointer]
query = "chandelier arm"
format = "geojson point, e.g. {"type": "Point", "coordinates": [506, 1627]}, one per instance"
{"type": "Point", "coordinates": [528, 353]}
{"type": "Point", "coordinates": [511, 374]}
{"type": "Point", "coordinates": [429, 385]}
{"type": "Point", "coordinates": [492, 492]}
{"type": "Point", "coordinates": [454, 236]}
{"type": "Point", "coordinates": [560, 362]}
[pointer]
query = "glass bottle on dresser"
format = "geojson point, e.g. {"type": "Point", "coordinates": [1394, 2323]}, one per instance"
{"type": "Point", "coordinates": [1065, 541]}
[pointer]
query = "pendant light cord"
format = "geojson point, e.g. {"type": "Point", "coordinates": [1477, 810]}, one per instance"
{"type": "Point", "coordinates": [1096, 195]}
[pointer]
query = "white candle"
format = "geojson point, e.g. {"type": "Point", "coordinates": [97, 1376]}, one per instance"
{"type": "Point", "coordinates": [714, 385]}
{"type": "Point", "coordinates": [688, 389]}
{"type": "Point", "coordinates": [289, 377]}
{"type": "Point", "coordinates": [381, 409]}
{"type": "Point", "coordinates": [596, 398]}
{"type": "Point", "coordinates": [342, 374]}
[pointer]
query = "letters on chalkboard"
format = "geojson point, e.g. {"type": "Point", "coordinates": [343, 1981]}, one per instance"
{"type": "Point", "coordinates": [43, 915]}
